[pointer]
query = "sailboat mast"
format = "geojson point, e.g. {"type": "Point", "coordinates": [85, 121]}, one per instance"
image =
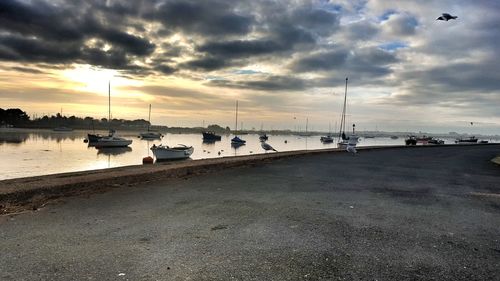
{"type": "Point", "coordinates": [236, 122]}
{"type": "Point", "coordinates": [342, 119]}
{"type": "Point", "coordinates": [307, 123]}
{"type": "Point", "coordinates": [345, 101]}
{"type": "Point", "coordinates": [109, 104]}
{"type": "Point", "coordinates": [149, 118]}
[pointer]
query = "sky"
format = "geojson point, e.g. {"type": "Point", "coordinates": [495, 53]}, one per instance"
{"type": "Point", "coordinates": [284, 61]}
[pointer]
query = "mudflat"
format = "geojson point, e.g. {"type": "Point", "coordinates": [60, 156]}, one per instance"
{"type": "Point", "coordinates": [388, 214]}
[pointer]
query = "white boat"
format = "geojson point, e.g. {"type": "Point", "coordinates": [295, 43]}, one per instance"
{"type": "Point", "coordinates": [353, 139]}
{"type": "Point", "coordinates": [164, 152]}
{"type": "Point", "coordinates": [328, 138]}
{"type": "Point", "coordinates": [236, 140]}
{"type": "Point", "coordinates": [112, 140]}
{"type": "Point", "coordinates": [150, 134]}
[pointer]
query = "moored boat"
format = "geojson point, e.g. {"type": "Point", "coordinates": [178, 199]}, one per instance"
{"type": "Point", "coordinates": [472, 139]}
{"type": "Point", "coordinates": [237, 140]}
{"type": "Point", "coordinates": [164, 152]}
{"type": "Point", "coordinates": [435, 141]}
{"type": "Point", "coordinates": [210, 136]}
{"type": "Point", "coordinates": [263, 137]}
{"type": "Point", "coordinates": [150, 134]}
{"type": "Point", "coordinates": [353, 139]}
{"type": "Point", "coordinates": [411, 140]}
{"type": "Point", "coordinates": [326, 139]}
{"type": "Point", "coordinates": [112, 141]}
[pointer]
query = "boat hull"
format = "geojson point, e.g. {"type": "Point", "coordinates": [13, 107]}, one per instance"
{"type": "Point", "coordinates": [94, 138]}
{"type": "Point", "coordinates": [326, 139]}
{"type": "Point", "coordinates": [466, 141]}
{"type": "Point", "coordinates": [211, 137]}
{"type": "Point", "coordinates": [112, 142]}
{"type": "Point", "coordinates": [163, 153]}
{"type": "Point", "coordinates": [150, 135]}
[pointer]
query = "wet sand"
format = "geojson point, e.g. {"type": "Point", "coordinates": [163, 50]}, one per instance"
{"type": "Point", "coordinates": [430, 213]}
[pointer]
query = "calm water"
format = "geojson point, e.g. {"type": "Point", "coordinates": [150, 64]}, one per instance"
{"type": "Point", "coordinates": [26, 153]}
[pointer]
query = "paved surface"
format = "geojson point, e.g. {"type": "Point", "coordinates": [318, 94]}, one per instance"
{"type": "Point", "coordinates": [395, 214]}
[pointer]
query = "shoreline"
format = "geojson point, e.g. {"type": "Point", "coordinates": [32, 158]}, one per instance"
{"type": "Point", "coordinates": [30, 193]}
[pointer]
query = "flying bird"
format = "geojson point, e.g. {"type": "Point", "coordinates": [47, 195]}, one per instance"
{"type": "Point", "coordinates": [267, 147]}
{"type": "Point", "coordinates": [446, 17]}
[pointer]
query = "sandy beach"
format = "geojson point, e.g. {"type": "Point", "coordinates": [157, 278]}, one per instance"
{"type": "Point", "coordinates": [424, 213]}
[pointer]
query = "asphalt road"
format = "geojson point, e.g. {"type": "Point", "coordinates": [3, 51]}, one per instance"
{"type": "Point", "coordinates": [391, 214]}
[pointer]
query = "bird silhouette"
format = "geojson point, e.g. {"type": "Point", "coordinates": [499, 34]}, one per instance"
{"type": "Point", "coordinates": [267, 147]}
{"type": "Point", "coordinates": [446, 17]}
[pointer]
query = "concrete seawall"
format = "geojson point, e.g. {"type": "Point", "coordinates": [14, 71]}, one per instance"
{"type": "Point", "coordinates": [32, 192]}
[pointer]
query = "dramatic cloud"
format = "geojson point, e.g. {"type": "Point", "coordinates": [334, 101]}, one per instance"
{"type": "Point", "coordinates": [284, 52]}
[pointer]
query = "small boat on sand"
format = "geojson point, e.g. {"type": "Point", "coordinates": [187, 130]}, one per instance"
{"type": "Point", "coordinates": [164, 152]}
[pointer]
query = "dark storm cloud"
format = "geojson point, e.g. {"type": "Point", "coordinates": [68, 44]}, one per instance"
{"type": "Point", "coordinates": [444, 81]}
{"type": "Point", "coordinates": [207, 64]}
{"type": "Point", "coordinates": [321, 61]}
{"type": "Point", "coordinates": [371, 62]}
{"type": "Point", "coordinates": [320, 21]}
{"type": "Point", "coordinates": [132, 44]}
{"type": "Point", "coordinates": [270, 83]}
{"type": "Point", "coordinates": [165, 69]}
{"type": "Point", "coordinates": [41, 32]}
{"type": "Point", "coordinates": [203, 17]}
{"type": "Point", "coordinates": [361, 30]}
{"type": "Point", "coordinates": [18, 48]}
{"type": "Point", "coordinates": [241, 48]}
{"type": "Point", "coordinates": [39, 19]}
{"type": "Point", "coordinates": [27, 70]}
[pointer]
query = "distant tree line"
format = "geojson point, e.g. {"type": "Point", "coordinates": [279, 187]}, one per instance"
{"type": "Point", "coordinates": [17, 118]}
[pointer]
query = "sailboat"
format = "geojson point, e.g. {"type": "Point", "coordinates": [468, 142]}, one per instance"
{"type": "Point", "coordinates": [112, 140]}
{"type": "Point", "coordinates": [343, 140]}
{"type": "Point", "coordinates": [236, 141]}
{"type": "Point", "coordinates": [262, 136]}
{"type": "Point", "coordinates": [328, 138]}
{"type": "Point", "coordinates": [150, 134]}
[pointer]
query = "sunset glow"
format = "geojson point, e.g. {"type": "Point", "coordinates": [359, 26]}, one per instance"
{"type": "Point", "coordinates": [278, 59]}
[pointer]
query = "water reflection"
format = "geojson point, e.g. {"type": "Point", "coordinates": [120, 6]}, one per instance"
{"type": "Point", "coordinates": [13, 138]}
{"type": "Point", "coordinates": [113, 150]}
{"type": "Point", "coordinates": [40, 152]}
{"type": "Point", "coordinates": [237, 145]}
